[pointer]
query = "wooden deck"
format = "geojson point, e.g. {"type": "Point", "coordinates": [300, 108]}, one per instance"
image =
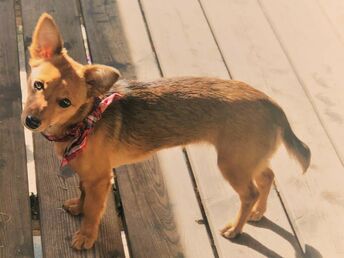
{"type": "Point", "coordinates": [173, 204]}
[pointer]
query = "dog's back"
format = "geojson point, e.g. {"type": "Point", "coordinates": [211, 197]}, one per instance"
{"type": "Point", "coordinates": [179, 111]}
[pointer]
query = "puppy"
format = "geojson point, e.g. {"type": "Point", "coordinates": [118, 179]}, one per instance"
{"type": "Point", "coordinates": [99, 123]}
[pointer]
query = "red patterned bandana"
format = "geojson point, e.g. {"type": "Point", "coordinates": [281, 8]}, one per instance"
{"type": "Point", "coordinates": [79, 132]}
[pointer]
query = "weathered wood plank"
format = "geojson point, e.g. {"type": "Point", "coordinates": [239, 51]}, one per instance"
{"type": "Point", "coordinates": [15, 219]}
{"type": "Point", "coordinates": [186, 47]}
{"type": "Point", "coordinates": [149, 218]}
{"type": "Point", "coordinates": [253, 53]}
{"type": "Point", "coordinates": [57, 226]}
{"type": "Point", "coordinates": [159, 204]}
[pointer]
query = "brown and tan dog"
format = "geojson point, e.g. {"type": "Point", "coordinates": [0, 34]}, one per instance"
{"type": "Point", "coordinates": [243, 124]}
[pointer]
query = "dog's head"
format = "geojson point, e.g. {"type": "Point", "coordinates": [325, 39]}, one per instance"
{"type": "Point", "coordinates": [59, 87]}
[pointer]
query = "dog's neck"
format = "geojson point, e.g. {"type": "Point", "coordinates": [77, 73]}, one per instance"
{"type": "Point", "coordinates": [81, 114]}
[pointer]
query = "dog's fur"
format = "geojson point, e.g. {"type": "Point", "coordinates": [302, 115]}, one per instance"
{"type": "Point", "coordinates": [243, 124]}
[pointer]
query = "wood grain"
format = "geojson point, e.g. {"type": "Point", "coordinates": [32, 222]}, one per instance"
{"type": "Point", "coordinates": [57, 226]}
{"type": "Point", "coordinates": [186, 47]}
{"type": "Point", "coordinates": [15, 220]}
{"type": "Point", "coordinates": [159, 203]}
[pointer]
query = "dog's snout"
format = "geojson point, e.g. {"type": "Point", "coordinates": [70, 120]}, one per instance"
{"type": "Point", "coordinates": [32, 122]}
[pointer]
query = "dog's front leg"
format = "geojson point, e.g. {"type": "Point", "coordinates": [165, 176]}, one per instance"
{"type": "Point", "coordinates": [96, 192]}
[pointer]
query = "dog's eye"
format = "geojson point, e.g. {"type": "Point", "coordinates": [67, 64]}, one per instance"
{"type": "Point", "coordinates": [38, 85]}
{"type": "Point", "coordinates": [64, 103]}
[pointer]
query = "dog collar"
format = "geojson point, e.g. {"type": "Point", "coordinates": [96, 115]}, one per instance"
{"type": "Point", "coordinates": [79, 132]}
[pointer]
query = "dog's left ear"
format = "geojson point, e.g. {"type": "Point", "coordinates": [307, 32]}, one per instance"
{"type": "Point", "coordinates": [100, 78]}
{"type": "Point", "coordinates": [46, 39]}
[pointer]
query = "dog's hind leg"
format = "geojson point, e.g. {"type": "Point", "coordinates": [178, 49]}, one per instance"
{"type": "Point", "coordinates": [263, 181]}
{"type": "Point", "coordinates": [242, 182]}
{"type": "Point", "coordinates": [242, 161]}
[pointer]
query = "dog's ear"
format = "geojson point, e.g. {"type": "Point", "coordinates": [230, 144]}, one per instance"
{"type": "Point", "coordinates": [100, 78]}
{"type": "Point", "coordinates": [46, 39]}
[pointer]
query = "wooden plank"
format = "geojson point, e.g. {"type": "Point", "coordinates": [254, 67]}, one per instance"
{"type": "Point", "coordinates": [160, 208]}
{"type": "Point", "coordinates": [253, 54]}
{"type": "Point", "coordinates": [15, 219]}
{"type": "Point", "coordinates": [334, 13]}
{"type": "Point", "coordinates": [186, 47]}
{"type": "Point", "coordinates": [52, 190]}
{"type": "Point", "coordinates": [152, 209]}
{"type": "Point", "coordinates": [319, 62]}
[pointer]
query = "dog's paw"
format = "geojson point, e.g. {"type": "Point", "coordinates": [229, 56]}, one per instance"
{"type": "Point", "coordinates": [230, 231]}
{"type": "Point", "coordinates": [73, 206]}
{"type": "Point", "coordinates": [81, 241]}
{"type": "Point", "coordinates": [256, 215]}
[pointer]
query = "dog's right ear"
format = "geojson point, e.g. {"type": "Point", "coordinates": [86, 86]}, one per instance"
{"type": "Point", "coordinates": [46, 39]}
{"type": "Point", "coordinates": [100, 78]}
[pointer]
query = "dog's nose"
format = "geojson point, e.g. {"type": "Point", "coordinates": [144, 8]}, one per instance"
{"type": "Point", "coordinates": [32, 122]}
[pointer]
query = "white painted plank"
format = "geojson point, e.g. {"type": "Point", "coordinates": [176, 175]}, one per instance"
{"type": "Point", "coordinates": [193, 237]}
{"type": "Point", "coordinates": [31, 170]}
{"type": "Point", "coordinates": [185, 46]}
{"type": "Point", "coordinates": [255, 55]}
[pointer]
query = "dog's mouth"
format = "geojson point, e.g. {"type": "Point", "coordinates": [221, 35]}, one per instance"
{"type": "Point", "coordinates": [51, 129]}
{"type": "Point", "coordinates": [35, 130]}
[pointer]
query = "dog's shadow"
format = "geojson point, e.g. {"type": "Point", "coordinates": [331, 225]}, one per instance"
{"type": "Point", "coordinates": [249, 241]}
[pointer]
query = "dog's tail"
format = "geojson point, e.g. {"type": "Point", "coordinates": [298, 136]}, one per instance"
{"type": "Point", "coordinates": [294, 145]}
